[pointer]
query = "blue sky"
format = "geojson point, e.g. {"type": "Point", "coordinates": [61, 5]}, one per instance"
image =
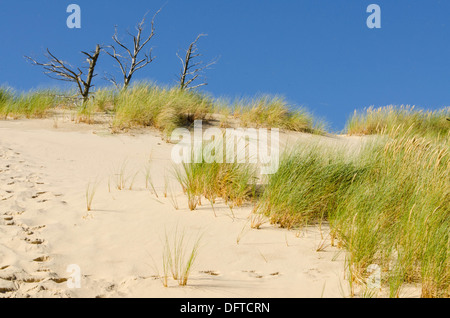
{"type": "Point", "coordinates": [319, 54]}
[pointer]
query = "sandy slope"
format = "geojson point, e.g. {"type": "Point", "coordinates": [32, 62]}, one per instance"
{"type": "Point", "coordinates": [44, 225]}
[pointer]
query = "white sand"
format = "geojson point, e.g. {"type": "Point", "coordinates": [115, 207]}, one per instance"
{"type": "Point", "coordinates": [44, 225]}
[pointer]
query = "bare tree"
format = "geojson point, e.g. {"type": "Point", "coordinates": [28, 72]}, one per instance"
{"type": "Point", "coordinates": [60, 70]}
{"type": "Point", "coordinates": [129, 62]}
{"type": "Point", "coordinates": [192, 70]}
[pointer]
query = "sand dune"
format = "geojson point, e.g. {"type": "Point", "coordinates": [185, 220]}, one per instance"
{"type": "Point", "coordinates": [118, 246]}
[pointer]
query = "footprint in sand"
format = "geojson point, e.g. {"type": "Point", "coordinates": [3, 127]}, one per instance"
{"type": "Point", "coordinates": [34, 241]}
{"type": "Point", "coordinates": [210, 273]}
{"type": "Point", "coordinates": [313, 273]}
{"type": "Point", "coordinates": [15, 282]}
{"type": "Point", "coordinates": [7, 286]}
{"type": "Point", "coordinates": [30, 230]}
{"type": "Point", "coordinates": [18, 186]}
{"type": "Point", "coordinates": [13, 213]}
{"type": "Point", "coordinates": [42, 259]}
{"type": "Point", "coordinates": [260, 275]}
{"type": "Point", "coordinates": [6, 196]}
{"type": "Point", "coordinates": [8, 220]}
{"type": "Point", "coordinates": [38, 194]}
{"type": "Point", "coordinates": [16, 209]}
{"type": "Point", "coordinates": [37, 227]}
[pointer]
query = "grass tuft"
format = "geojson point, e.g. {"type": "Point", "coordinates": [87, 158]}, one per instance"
{"type": "Point", "coordinates": [380, 120]}
{"type": "Point", "coordinates": [162, 108]}
{"type": "Point", "coordinates": [29, 105]}
{"type": "Point", "coordinates": [90, 194]}
{"type": "Point", "coordinates": [273, 112]}
{"type": "Point", "coordinates": [233, 182]}
{"type": "Point", "coordinates": [179, 257]}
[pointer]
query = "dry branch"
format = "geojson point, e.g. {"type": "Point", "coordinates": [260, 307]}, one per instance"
{"type": "Point", "coordinates": [192, 70]}
{"type": "Point", "coordinates": [129, 61]}
{"type": "Point", "coordinates": [63, 71]}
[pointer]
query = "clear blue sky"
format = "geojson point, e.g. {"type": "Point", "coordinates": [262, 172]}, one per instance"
{"type": "Point", "coordinates": [317, 53]}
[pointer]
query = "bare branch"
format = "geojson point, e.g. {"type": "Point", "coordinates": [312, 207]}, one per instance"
{"type": "Point", "coordinates": [196, 86]}
{"type": "Point", "coordinates": [120, 43]}
{"type": "Point", "coordinates": [191, 71]}
{"type": "Point", "coordinates": [132, 63]}
{"type": "Point", "coordinates": [117, 57]}
{"type": "Point", "coordinates": [111, 79]}
{"type": "Point", "coordinates": [60, 70]}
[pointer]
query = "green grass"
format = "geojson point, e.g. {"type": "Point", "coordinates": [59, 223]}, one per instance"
{"type": "Point", "coordinates": [233, 182]}
{"type": "Point", "coordinates": [162, 108]}
{"type": "Point", "coordinates": [418, 122]}
{"type": "Point", "coordinates": [306, 185]}
{"type": "Point", "coordinates": [388, 205]}
{"type": "Point", "coordinates": [179, 257]}
{"type": "Point", "coordinates": [6, 98]}
{"type": "Point", "coordinates": [274, 112]}
{"type": "Point", "coordinates": [101, 101]}
{"type": "Point", "coordinates": [30, 105]}
{"type": "Point", "coordinates": [104, 100]}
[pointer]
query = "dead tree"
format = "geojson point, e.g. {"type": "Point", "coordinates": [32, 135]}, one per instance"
{"type": "Point", "coordinates": [191, 70]}
{"type": "Point", "coordinates": [129, 62]}
{"type": "Point", "coordinates": [60, 70]}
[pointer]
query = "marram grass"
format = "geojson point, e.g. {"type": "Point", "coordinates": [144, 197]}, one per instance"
{"type": "Point", "coordinates": [384, 119]}
{"type": "Point", "coordinates": [273, 112]}
{"type": "Point", "coordinates": [179, 257]}
{"type": "Point", "coordinates": [388, 205]}
{"type": "Point", "coordinates": [162, 108]}
{"type": "Point", "coordinates": [29, 105]}
{"type": "Point", "coordinates": [233, 182]}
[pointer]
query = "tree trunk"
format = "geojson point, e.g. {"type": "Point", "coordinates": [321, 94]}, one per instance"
{"type": "Point", "coordinates": [90, 75]}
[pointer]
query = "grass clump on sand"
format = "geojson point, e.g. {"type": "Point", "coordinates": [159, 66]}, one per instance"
{"type": "Point", "coordinates": [387, 205]}
{"type": "Point", "coordinates": [91, 189]}
{"type": "Point", "coordinates": [384, 119]}
{"type": "Point", "coordinates": [229, 181]}
{"type": "Point", "coordinates": [179, 257]}
{"type": "Point", "coordinates": [103, 100]}
{"type": "Point", "coordinates": [273, 112]}
{"type": "Point", "coordinates": [397, 215]}
{"type": "Point", "coordinates": [306, 186]}
{"type": "Point", "coordinates": [163, 108]}
{"type": "Point", "coordinates": [232, 181]}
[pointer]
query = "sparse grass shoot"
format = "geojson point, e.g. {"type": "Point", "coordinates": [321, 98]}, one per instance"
{"type": "Point", "coordinates": [119, 177]}
{"type": "Point", "coordinates": [179, 255]}
{"type": "Point", "coordinates": [90, 194]}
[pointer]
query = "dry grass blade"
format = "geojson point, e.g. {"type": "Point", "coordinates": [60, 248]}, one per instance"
{"type": "Point", "coordinates": [179, 257]}
{"type": "Point", "coordinates": [90, 194]}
